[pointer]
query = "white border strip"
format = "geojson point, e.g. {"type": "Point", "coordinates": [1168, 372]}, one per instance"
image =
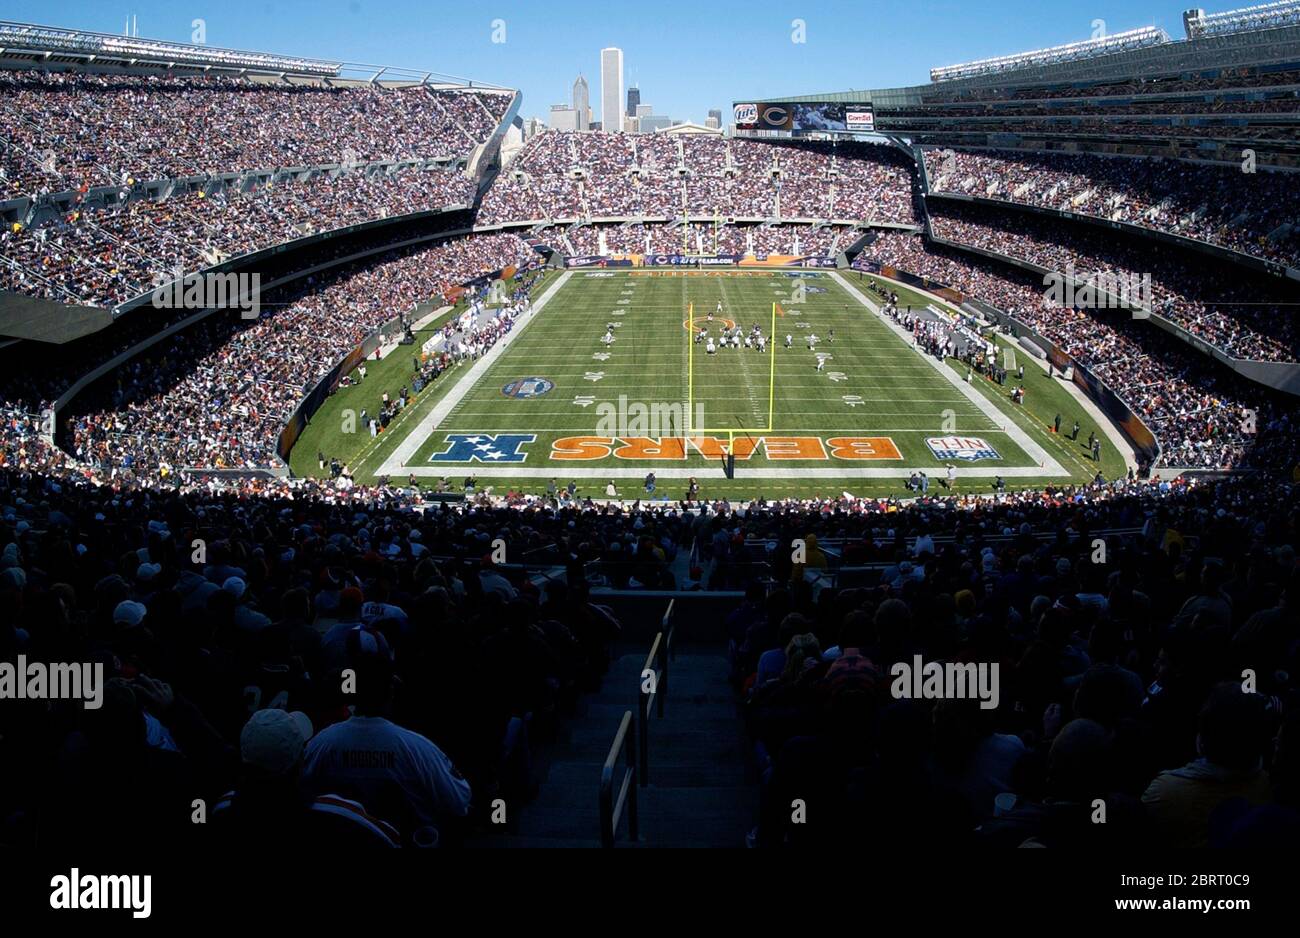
{"type": "Point", "coordinates": [420, 434]}
{"type": "Point", "coordinates": [664, 469]}
{"type": "Point", "coordinates": [1048, 465]}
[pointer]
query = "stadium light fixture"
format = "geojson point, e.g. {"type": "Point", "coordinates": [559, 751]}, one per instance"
{"type": "Point", "coordinates": [51, 40]}
{"type": "Point", "coordinates": [1199, 25]}
{"type": "Point", "coordinates": [1127, 41]}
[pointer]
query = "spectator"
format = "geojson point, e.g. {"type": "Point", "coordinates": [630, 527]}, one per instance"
{"type": "Point", "coordinates": [1230, 742]}
{"type": "Point", "coordinates": [401, 773]}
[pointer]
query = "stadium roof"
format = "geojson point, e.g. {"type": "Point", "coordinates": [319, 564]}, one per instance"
{"type": "Point", "coordinates": [35, 44]}
{"type": "Point", "coordinates": [26, 317]}
{"type": "Point", "coordinates": [1252, 37]}
{"type": "Point", "coordinates": [1263, 16]}
{"type": "Point", "coordinates": [687, 128]}
{"type": "Point", "coordinates": [1070, 52]}
{"type": "Point", "coordinates": [51, 39]}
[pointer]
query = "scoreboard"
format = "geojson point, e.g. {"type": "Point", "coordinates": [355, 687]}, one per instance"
{"type": "Point", "coordinates": [800, 117]}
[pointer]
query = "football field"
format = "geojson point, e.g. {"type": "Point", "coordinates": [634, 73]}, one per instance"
{"type": "Point", "coordinates": [603, 381]}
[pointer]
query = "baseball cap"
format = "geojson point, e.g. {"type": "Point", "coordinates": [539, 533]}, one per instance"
{"type": "Point", "coordinates": [366, 645]}
{"type": "Point", "coordinates": [129, 613]}
{"type": "Point", "coordinates": [274, 740]}
{"type": "Point", "coordinates": [850, 673]}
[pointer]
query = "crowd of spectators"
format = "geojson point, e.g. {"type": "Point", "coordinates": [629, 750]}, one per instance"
{"type": "Point", "coordinates": [597, 175]}
{"type": "Point", "coordinates": [1117, 683]}
{"type": "Point", "coordinates": [1235, 109]}
{"type": "Point", "coordinates": [1199, 412]}
{"type": "Point", "coordinates": [105, 256]}
{"type": "Point", "coordinates": [1276, 105]}
{"type": "Point", "coordinates": [67, 130]}
{"type": "Point", "coordinates": [217, 394]}
{"type": "Point", "coordinates": [703, 238]}
{"type": "Point", "coordinates": [224, 666]}
{"type": "Point", "coordinates": [24, 446]}
{"type": "Point", "coordinates": [45, 371]}
{"type": "Point", "coordinates": [329, 664]}
{"type": "Point", "coordinates": [1246, 315]}
{"type": "Point", "coordinates": [1219, 205]}
{"type": "Point", "coordinates": [225, 661]}
{"type": "Point", "coordinates": [1228, 79]}
{"type": "Point", "coordinates": [1238, 131]}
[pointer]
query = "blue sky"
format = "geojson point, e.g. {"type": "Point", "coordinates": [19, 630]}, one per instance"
{"type": "Point", "coordinates": [686, 57]}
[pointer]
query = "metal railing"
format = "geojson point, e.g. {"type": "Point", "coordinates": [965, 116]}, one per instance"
{"type": "Point", "coordinates": [633, 736]}
{"type": "Point", "coordinates": [618, 574]}
{"type": "Point", "coordinates": [736, 574]}
{"type": "Point", "coordinates": [668, 626]}
{"type": "Point", "coordinates": [612, 808]}
{"type": "Point", "coordinates": [650, 696]}
{"type": "Point", "coordinates": [652, 686]}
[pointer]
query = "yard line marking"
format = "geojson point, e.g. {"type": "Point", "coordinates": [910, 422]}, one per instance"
{"type": "Point", "coordinates": [843, 420]}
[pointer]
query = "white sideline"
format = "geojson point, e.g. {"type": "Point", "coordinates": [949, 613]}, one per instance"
{"type": "Point", "coordinates": [415, 438]}
{"type": "Point", "coordinates": [712, 469]}
{"type": "Point", "coordinates": [1049, 465]}
{"type": "Point", "coordinates": [1122, 445]}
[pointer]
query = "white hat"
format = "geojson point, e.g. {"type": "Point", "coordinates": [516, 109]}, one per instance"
{"type": "Point", "coordinates": [274, 740]}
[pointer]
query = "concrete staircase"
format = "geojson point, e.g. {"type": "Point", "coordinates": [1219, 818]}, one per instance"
{"type": "Point", "coordinates": [698, 793]}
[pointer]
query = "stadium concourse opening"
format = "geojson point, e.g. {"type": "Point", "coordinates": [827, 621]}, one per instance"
{"type": "Point", "coordinates": [906, 465]}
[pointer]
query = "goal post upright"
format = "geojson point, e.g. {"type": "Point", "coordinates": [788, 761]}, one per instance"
{"type": "Point", "coordinates": [771, 379]}
{"type": "Point", "coordinates": [690, 364]}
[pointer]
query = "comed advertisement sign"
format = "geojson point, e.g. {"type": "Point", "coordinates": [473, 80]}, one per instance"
{"type": "Point", "coordinates": [860, 118]}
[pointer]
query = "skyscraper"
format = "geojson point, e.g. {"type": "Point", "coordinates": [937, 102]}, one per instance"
{"type": "Point", "coordinates": [611, 88]}
{"type": "Point", "coordinates": [563, 118]}
{"type": "Point", "coordinates": [633, 99]}
{"type": "Point", "coordinates": [581, 101]}
{"type": "Point", "coordinates": [652, 122]}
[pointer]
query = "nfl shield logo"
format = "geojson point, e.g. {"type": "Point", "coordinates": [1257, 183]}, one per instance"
{"type": "Point", "coordinates": [527, 387]}
{"type": "Point", "coordinates": [969, 448]}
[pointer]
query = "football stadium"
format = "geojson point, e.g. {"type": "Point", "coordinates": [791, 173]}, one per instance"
{"type": "Point", "coordinates": [384, 466]}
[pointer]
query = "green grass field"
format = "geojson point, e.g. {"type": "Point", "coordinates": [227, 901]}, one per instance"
{"type": "Point", "coordinates": [554, 401]}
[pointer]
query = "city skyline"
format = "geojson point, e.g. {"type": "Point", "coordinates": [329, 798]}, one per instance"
{"type": "Point", "coordinates": [577, 115]}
